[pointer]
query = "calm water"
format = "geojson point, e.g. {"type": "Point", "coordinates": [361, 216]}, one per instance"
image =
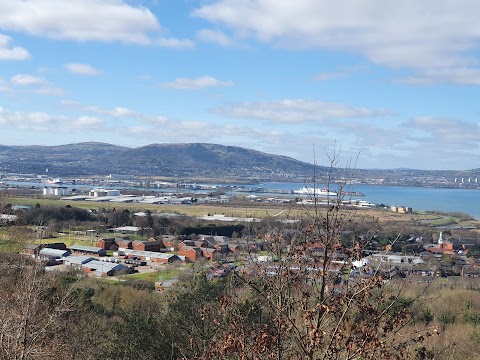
{"type": "Point", "coordinates": [461, 200]}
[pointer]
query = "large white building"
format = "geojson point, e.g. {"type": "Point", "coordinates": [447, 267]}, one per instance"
{"type": "Point", "coordinates": [104, 192]}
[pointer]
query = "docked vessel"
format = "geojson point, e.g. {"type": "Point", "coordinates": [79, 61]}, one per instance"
{"type": "Point", "coordinates": [56, 181]}
{"type": "Point", "coordinates": [314, 192]}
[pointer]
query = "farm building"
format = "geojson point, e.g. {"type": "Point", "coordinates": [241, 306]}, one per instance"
{"type": "Point", "coordinates": [77, 261]}
{"type": "Point", "coordinates": [150, 245]}
{"type": "Point", "coordinates": [153, 256]}
{"type": "Point", "coordinates": [81, 249]}
{"type": "Point", "coordinates": [52, 254]}
{"type": "Point", "coordinates": [103, 268]}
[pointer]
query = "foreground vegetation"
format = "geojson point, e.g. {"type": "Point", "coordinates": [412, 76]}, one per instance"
{"type": "Point", "coordinates": [68, 316]}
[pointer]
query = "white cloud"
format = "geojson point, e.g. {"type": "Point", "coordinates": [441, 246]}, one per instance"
{"type": "Point", "coordinates": [461, 76]}
{"type": "Point", "coordinates": [409, 33]}
{"type": "Point", "coordinates": [11, 53]}
{"type": "Point", "coordinates": [39, 121]}
{"type": "Point", "coordinates": [444, 133]}
{"type": "Point", "coordinates": [199, 131]}
{"type": "Point", "coordinates": [32, 84]}
{"type": "Point", "coordinates": [337, 74]}
{"type": "Point", "coordinates": [149, 127]}
{"type": "Point", "coordinates": [4, 86]}
{"type": "Point", "coordinates": [214, 36]}
{"type": "Point", "coordinates": [117, 112]}
{"type": "Point", "coordinates": [84, 122]}
{"type": "Point", "coordinates": [174, 43]}
{"type": "Point", "coordinates": [197, 83]}
{"type": "Point", "coordinates": [297, 110]}
{"type": "Point", "coordinates": [26, 80]}
{"type": "Point", "coordinates": [82, 69]}
{"type": "Point", "coordinates": [49, 90]}
{"type": "Point", "coordinates": [80, 20]}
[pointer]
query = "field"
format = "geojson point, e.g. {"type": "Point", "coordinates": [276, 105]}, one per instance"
{"type": "Point", "coordinates": [154, 276]}
{"type": "Point", "coordinates": [247, 209]}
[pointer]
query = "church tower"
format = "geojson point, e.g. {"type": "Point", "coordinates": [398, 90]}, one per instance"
{"type": "Point", "coordinates": [440, 240]}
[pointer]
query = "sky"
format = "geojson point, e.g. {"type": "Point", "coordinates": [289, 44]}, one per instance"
{"type": "Point", "coordinates": [383, 83]}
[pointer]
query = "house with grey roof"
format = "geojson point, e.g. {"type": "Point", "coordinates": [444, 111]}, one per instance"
{"type": "Point", "coordinates": [77, 261]}
{"type": "Point", "coordinates": [103, 268]}
{"type": "Point", "coordinates": [82, 249]}
{"type": "Point", "coordinates": [52, 254]}
{"type": "Point", "coordinates": [153, 256]}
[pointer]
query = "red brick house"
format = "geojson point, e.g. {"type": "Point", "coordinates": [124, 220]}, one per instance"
{"type": "Point", "coordinates": [223, 248]}
{"type": "Point", "coordinates": [234, 248]}
{"type": "Point", "coordinates": [190, 243]}
{"type": "Point", "coordinates": [202, 243]}
{"type": "Point", "coordinates": [34, 249]}
{"type": "Point", "coordinates": [107, 244]}
{"type": "Point", "coordinates": [190, 252]}
{"type": "Point", "coordinates": [31, 249]}
{"type": "Point", "coordinates": [209, 238]}
{"type": "Point", "coordinates": [124, 243]}
{"type": "Point", "coordinates": [150, 245]}
{"type": "Point", "coordinates": [211, 253]}
{"type": "Point", "coordinates": [171, 245]}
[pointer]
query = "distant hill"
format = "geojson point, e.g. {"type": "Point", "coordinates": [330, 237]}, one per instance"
{"type": "Point", "coordinates": [180, 160]}
{"type": "Point", "coordinates": [205, 161]}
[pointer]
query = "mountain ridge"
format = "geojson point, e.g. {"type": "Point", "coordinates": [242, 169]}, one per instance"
{"type": "Point", "coordinates": [199, 160]}
{"type": "Point", "coordinates": [180, 160]}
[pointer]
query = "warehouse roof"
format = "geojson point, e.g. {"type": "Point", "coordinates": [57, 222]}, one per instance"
{"type": "Point", "coordinates": [150, 254]}
{"type": "Point", "coordinates": [78, 260]}
{"type": "Point", "coordinates": [54, 252]}
{"type": "Point", "coordinates": [83, 248]}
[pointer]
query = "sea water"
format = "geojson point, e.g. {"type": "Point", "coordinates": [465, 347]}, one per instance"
{"type": "Point", "coordinates": [418, 198]}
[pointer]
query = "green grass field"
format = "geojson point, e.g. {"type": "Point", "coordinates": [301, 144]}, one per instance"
{"type": "Point", "coordinates": [154, 276]}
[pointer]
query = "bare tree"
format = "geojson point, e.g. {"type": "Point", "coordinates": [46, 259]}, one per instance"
{"type": "Point", "coordinates": [33, 309]}
{"type": "Point", "coordinates": [311, 302]}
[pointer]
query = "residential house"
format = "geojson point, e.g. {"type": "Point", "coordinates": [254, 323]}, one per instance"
{"type": "Point", "coordinates": [211, 254]}
{"type": "Point", "coordinates": [150, 245]}
{"type": "Point", "coordinates": [171, 242]}
{"type": "Point", "coordinates": [221, 239]}
{"type": "Point", "coordinates": [234, 248]}
{"type": "Point", "coordinates": [191, 253]}
{"type": "Point", "coordinates": [223, 248]}
{"type": "Point", "coordinates": [209, 238]}
{"type": "Point", "coordinates": [186, 243]}
{"type": "Point", "coordinates": [462, 244]}
{"type": "Point", "coordinates": [471, 271]}
{"type": "Point", "coordinates": [202, 243]}
{"type": "Point", "coordinates": [107, 244]}
{"type": "Point", "coordinates": [123, 244]}
{"type": "Point", "coordinates": [91, 250]}
{"type": "Point", "coordinates": [33, 249]}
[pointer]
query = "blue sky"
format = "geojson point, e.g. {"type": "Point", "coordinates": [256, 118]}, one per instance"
{"type": "Point", "coordinates": [390, 83]}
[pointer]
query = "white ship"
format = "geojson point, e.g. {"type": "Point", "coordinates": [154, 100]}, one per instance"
{"type": "Point", "coordinates": [55, 181]}
{"type": "Point", "coordinates": [314, 191]}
